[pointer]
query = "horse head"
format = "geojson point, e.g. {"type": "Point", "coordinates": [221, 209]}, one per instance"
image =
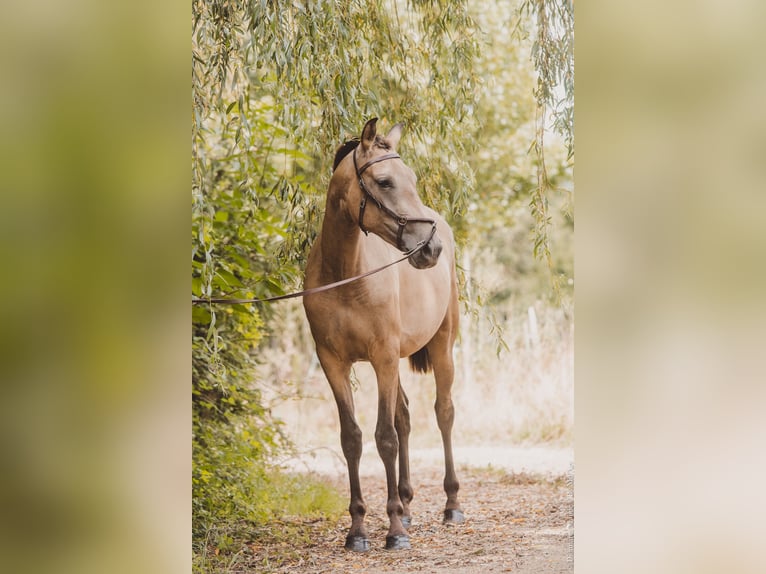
{"type": "Point", "coordinates": [381, 195]}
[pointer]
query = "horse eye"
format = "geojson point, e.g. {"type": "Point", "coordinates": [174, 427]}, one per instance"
{"type": "Point", "coordinates": [385, 183]}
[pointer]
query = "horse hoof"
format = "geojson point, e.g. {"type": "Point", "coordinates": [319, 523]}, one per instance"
{"type": "Point", "coordinates": [406, 521]}
{"type": "Point", "coordinates": [357, 543]}
{"type": "Point", "coordinates": [454, 516]}
{"type": "Point", "coordinates": [398, 542]}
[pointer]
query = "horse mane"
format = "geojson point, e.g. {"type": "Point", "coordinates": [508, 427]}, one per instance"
{"type": "Point", "coordinates": [346, 148]}
{"type": "Point", "coordinates": [343, 151]}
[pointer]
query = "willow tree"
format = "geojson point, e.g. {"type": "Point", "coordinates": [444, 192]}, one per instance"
{"type": "Point", "coordinates": [276, 86]}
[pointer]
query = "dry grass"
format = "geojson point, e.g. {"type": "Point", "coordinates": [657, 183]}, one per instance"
{"type": "Point", "coordinates": [523, 396]}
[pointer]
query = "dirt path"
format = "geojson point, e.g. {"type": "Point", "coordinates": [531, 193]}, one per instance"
{"type": "Point", "coordinates": [515, 522]}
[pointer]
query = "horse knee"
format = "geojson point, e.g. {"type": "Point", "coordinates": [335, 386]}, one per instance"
{"type": "Point", "coordinates": [351, 441]}
{"type": "Point", "coordinates": [387, 441]}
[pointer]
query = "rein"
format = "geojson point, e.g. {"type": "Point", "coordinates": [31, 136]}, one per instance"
{"type": "Point", "coordinates": [223, 301]}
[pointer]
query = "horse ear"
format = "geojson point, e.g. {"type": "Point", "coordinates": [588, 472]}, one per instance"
{"type": "Point", "coordinates": [368, 134]}
{"type": "Point", "coordinates": [394, 135]}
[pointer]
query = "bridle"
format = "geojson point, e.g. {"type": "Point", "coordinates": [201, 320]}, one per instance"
{"type": "Point", "coordinates": [401, 220]}
{"type": "Point", "coordinates": [313, 290]}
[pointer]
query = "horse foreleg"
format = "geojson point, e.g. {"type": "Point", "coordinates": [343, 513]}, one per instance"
{"type": "Point", "coordinates": [444, 373]}
{"type": "Point", "coordinates": [402, 424]}
{"type": "Point", "coordinates": [337, 373]}
{"type": "Point", "coordinates": [387, 441]}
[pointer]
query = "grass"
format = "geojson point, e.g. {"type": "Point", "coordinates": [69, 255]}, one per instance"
{"type": "Point", "coordinates": [281, 537]}
{"type": "Point", "coordinates": [296, 505]}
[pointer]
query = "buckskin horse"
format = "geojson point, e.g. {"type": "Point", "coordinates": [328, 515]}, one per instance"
{"type": "Point", "coordinates": [373, 213]}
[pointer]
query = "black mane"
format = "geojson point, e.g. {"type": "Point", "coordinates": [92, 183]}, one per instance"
{"type": "Point", "coordinates": [350, 145]}
{"type": "Point", "coordinates": [343, 151]}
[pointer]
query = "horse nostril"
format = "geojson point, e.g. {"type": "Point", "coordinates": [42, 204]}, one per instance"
{"type": "Point", "coordinates": [432, 249]}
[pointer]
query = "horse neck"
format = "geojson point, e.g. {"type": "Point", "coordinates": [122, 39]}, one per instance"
{"type": "Point", "coordinates": [341, 242]}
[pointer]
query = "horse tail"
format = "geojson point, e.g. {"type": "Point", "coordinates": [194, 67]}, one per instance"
{"type": "Point", "coordinates": [421, 361]}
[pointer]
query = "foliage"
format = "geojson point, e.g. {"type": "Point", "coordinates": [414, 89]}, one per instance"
{"type": "Point", "coordinates": [553, 56]}
{"type": "Point", "coordinates": [296, 504]}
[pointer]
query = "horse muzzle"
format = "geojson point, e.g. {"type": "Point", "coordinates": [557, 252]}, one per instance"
{"type": "Point", "coordinates": [428, 255]}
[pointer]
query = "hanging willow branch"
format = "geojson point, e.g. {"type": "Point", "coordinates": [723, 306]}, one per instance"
{"type": "Point", "coordinates": [553, 56]}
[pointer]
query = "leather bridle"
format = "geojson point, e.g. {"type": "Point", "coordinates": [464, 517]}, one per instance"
{"type": "Point", "coordinates": [401, 220]}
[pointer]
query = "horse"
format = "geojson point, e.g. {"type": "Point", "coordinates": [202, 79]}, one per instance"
{"type": "Point", "coordinates": [373, 213]}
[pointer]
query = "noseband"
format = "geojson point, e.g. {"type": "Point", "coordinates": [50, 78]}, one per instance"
{"type": "Point", "coordinates": [401, 220]}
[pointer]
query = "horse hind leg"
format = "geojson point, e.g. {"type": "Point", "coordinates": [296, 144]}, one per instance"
{"type": "Point", "coordinates": [403, 427]}
{"type": "Point", "coordinates": [337, 373]}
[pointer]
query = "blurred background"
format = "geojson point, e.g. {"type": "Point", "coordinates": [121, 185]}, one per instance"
{"type": "Point", "coordinates": [670, 290]}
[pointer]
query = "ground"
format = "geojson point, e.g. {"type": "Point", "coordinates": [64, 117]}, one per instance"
{"type": "Point", "coordinates": [519, 518]}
